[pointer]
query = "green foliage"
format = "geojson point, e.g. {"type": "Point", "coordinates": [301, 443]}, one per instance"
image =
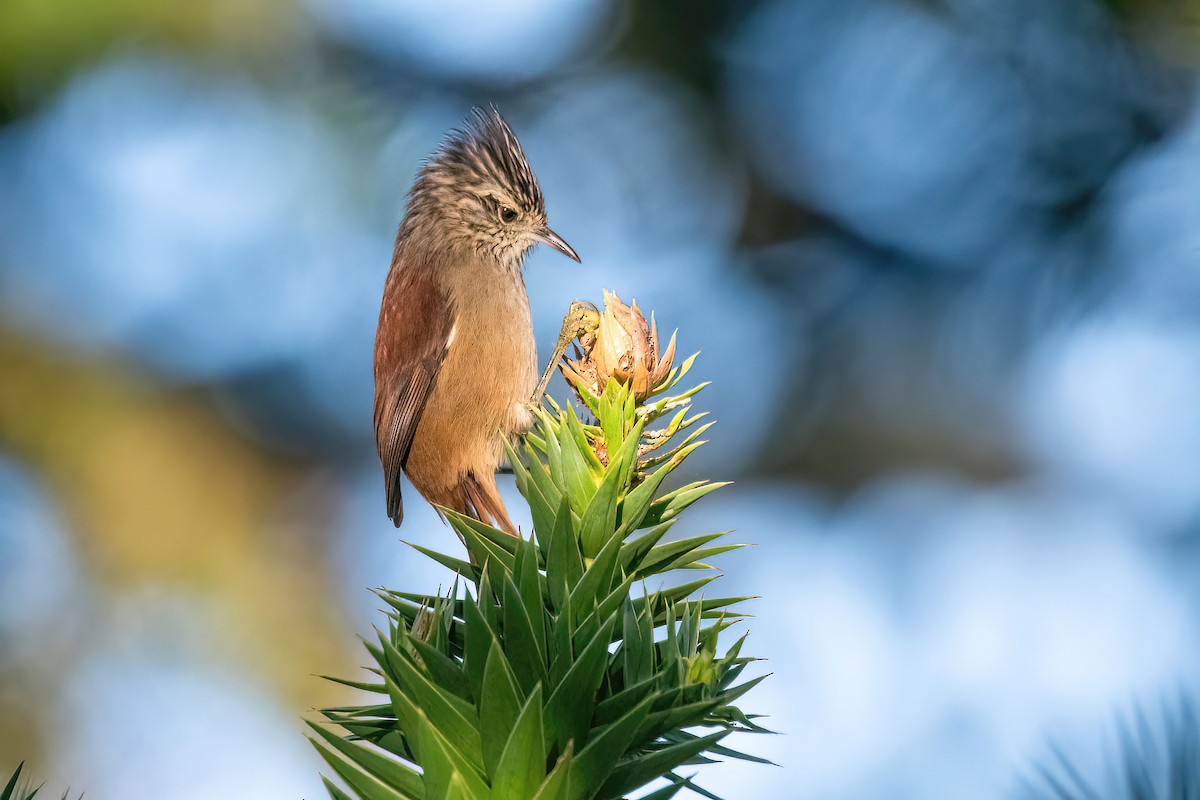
{"type": "Point", "coordinates": [18, 789]}
{"type": "Point", "coordinates": [1148, 764]}
{"type": "Point", "coordinates": [555, 674]}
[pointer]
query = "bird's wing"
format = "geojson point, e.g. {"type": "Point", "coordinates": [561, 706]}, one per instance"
{"type": "Point", "coordinates": [416, 323]}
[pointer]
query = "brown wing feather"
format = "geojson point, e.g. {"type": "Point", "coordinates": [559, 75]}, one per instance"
{"type": "Point", "coordinates": [415, 324]}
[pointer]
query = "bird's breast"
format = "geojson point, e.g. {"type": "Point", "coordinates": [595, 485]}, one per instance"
{"type": "Point", "coordinates": [485, 382]}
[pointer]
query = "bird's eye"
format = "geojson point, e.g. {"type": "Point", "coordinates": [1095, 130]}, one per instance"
{"type": "Point", "coordinates": [508, 214]}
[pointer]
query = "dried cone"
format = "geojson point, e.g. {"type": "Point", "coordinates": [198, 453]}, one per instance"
{"type": "Point", "coordinates": [624, 348]}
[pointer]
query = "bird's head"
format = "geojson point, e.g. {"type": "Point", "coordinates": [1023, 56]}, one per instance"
{"type": "Point", "coordinates": [479, 192]}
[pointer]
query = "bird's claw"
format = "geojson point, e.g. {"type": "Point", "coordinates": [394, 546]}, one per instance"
{"type": "Point", "coordinates": [581, 322]}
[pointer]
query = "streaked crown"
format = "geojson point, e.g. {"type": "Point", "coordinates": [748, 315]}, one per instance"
{"type": "Point", "coordinates": [479, 190]}
{"type": "Point", "coordinates": [485, 153]}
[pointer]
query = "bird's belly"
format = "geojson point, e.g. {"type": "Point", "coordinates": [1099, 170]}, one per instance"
{"type": "Point", "coordinates": [480, 395]}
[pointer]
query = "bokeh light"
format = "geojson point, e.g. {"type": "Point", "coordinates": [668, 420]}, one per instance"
{"type": "Point", "coordinates": [940, 259]}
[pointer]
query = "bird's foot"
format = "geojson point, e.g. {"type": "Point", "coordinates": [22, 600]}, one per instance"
{"type": "Point", "coordinates": [581, 322]}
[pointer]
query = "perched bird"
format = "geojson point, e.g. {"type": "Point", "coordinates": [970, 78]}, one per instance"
{"type": "Point", "coordinates": [455, 359]}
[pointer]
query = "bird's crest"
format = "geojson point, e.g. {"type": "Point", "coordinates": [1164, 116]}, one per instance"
{"type": "Point", "coordinates": [485, 151]}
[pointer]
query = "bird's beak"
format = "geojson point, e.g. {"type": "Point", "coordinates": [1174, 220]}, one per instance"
{"type": "Point", "coordinates": [558, 243]}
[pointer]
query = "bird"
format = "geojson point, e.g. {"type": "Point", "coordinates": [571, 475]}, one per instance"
{"type": "Point", "coordinates": [455, 356]}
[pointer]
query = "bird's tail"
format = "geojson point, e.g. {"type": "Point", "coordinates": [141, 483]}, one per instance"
{"type": "Point", "coordinates": [481, 499]}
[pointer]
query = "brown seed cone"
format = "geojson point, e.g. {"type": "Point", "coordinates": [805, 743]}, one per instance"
{"type": "Point", "coordinates": [625, 348]}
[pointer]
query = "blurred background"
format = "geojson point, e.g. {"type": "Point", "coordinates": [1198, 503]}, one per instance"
{"type": "Point", "coordinates": [942, 258]}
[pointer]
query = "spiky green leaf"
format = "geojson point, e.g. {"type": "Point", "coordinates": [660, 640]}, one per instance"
{"type": "Point", "coordinates": [522, 765]}
{"type": "Point", "coordinates": [499, 706]}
